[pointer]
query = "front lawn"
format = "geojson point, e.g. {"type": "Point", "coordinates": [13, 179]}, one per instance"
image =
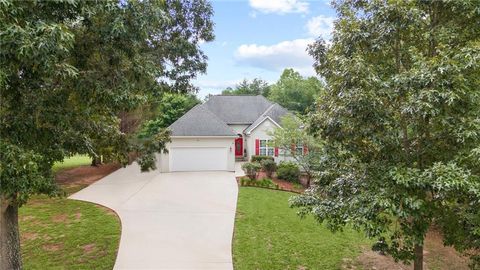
{"type": "Point", "coordinates": [270, 235]}
{"type": "Point", "coordinates": [60, 233]}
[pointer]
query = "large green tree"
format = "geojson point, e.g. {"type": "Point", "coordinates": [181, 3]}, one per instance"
{"type": "Point", "coordinates": [171, 107]}
{"type": "Point", "coordinates": [401, 123]}
{"type": "Point", "coordinates": [254, 87]}
{"type": "Point", "coordinates": [67, 71]}
{"type": "Point", "coordinates": [295, 92]}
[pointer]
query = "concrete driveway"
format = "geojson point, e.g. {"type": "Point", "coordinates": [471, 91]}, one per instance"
{"type": "Point", "coordinates": [170, 220]}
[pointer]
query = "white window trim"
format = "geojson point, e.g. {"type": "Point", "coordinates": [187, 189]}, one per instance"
{"type": "Point", "coordinates": [266, 148]}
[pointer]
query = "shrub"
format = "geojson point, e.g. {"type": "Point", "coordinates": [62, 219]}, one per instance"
{"type": "Point", "coordinates": [269, 166]}
{"type": "Point", "coordinates": [263, 183]}
{"type": "Point", "coordinates": [288, 171]}
{"type": "Point", "coordinates": [260, 158]}
{"type": "Point", "coordinates": [251, 169]}
{"type": "Point", "coordinates": [266, 183]}
{"type": "Point", "coordinates": [245, 181]}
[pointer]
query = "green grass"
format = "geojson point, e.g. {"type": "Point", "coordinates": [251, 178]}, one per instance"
{"type": "Point", "coordinates": [270, 235]}
{"type": "Point", "coordinates": [58, 233]}
{"type": "Point", "coordinates": [71, 162]}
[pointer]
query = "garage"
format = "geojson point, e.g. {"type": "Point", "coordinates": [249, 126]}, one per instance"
{"type": "Point", "coordinates": [198, 159]}
{"type": "Point", "coordinates": [199, 141]}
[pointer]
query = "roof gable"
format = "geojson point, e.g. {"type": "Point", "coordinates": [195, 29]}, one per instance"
{"type": "Point", "coordinates": [199, 121]}
{"type": "Point", "coordinates": [238, 109]}
{"type": "Point", "coordinates": [274, 113]}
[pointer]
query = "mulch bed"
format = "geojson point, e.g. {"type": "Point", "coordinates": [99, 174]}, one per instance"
{"type": "Point", "coordinates": [84, 175]}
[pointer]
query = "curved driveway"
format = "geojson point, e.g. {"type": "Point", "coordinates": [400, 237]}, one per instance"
{"type": "Point", "coordinates": [178, 220]}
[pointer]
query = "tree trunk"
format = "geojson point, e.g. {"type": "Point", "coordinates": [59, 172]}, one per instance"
{"type": "Point", "coordinates": [10, 256]}
{"type": "Point", "coordinates": [96, 161]}
{"type": "Point", "coordinates": [418, 261]}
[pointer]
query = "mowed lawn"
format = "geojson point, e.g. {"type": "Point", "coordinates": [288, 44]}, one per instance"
{"type": "Point", "coordinates": [270, 235]}
{"type": "Point", "coordinates": [60, 233]}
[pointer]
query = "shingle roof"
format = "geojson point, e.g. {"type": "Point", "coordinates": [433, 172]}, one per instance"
{"type": "Point", "coordinates": [275, 112]}
{"type": "Point", "coordinates": [199, 121]}
{"type": "Point", "coordinates": [238, 109]}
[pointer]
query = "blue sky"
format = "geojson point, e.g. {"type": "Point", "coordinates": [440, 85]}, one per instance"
{"type": "Point", "coordinates": [260, 38]}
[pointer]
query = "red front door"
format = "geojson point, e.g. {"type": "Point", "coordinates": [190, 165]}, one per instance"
{"type": "Point", "coordinates": [239, 147]}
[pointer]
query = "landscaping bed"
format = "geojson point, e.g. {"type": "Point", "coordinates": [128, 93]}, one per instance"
{"type": "Point", "coordinates": [59, 233]}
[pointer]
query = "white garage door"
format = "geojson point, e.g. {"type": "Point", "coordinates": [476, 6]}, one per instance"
{"type": "Point", "coordinates": [198, 159]}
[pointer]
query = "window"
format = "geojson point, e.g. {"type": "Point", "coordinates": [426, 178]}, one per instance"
{"type": "Point", "coordinates": [299, 149]}
{"type": "Point", "coordinates": [265, 149]}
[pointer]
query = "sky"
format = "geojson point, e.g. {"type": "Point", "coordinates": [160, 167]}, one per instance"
{"type": "Point", "coordinates": [260, 38]}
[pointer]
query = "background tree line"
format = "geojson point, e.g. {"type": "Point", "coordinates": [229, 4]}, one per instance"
{"type": "Point", "coordinates": [292, 90]}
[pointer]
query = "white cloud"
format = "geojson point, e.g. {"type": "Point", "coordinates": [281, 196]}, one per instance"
{"type": "Point", "coordinates": [286, 54]}
{"type": "Point", "coordinates": [280, 6]}
{"type": "Point", "coordinates": [320, 26]}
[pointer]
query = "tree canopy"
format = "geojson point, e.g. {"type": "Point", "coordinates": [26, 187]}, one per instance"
{"type": "Point", "coordinates": [254, 87]}
{"type": "Point", "coordinates": [293, 136]}
{"type": "Point", "coordinates": [171, 107]}
{"type": "Point", "coordinates": [400, 121]}
{"type": "Point", "coordinates": [295, 92]}
{"type": "Point", "coordinates": [68, 68]}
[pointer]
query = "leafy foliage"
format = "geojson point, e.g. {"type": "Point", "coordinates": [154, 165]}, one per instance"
{"type": "Point", "coordinates": [400, 121]}
{"type": "Point", "coordinates": [172, 106]}
{"type": "Point", "coordinates": [269, 166]}
{"type": "Point", "coordinates": [289, 171]}
{"type": "Point", "coordinates": [251, 169]}
{"type": "Point", "coordinates": [264, 183]}
{"type": "Point", "coordinates": [25, 167]}
{"type": "Point", "coordinates": [68, 69]}
{"type": "Point", "coordinates": [259, 158]}
{"type": "Point", "coordinates": [254, 87]}
{"type": "Point", "coordinates": [293, 133]}
{"type": "Point", "coordinates": [295, 92]}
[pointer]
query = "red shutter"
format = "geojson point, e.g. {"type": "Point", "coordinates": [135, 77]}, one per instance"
{"type": "Point", "coordinates": [305, 149]}
{"type": "Point", "coordinates": [276, 151]}
{"type": "Point", "coordinates": [257, 147]}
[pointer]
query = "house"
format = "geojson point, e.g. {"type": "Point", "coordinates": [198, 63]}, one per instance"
{"type": "Point", "coordinates": [226, 128]}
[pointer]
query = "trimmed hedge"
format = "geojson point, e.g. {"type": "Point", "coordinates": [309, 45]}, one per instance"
{"type": "Point", "coordinates": [288, 171]}
{"type": "Point", "coordinates": [260, 158]}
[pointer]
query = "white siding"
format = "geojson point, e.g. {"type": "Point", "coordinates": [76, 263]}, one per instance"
{"type": "Point", "coordinates": [261, 133]}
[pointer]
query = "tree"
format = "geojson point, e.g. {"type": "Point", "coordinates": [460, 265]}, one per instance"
{"type": "Point", "coordinates": [293, 134]}
{"type": "Point", "coordinates": [67, 71]}
{"type": "Point", "coordinates": [400, 122]}
{"type": "Point", "coordinates": [295, 92]}
{"type": "Point", "coordinates": [172, 106]}
{"type": "Point", "coordinates": [254, 87]}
